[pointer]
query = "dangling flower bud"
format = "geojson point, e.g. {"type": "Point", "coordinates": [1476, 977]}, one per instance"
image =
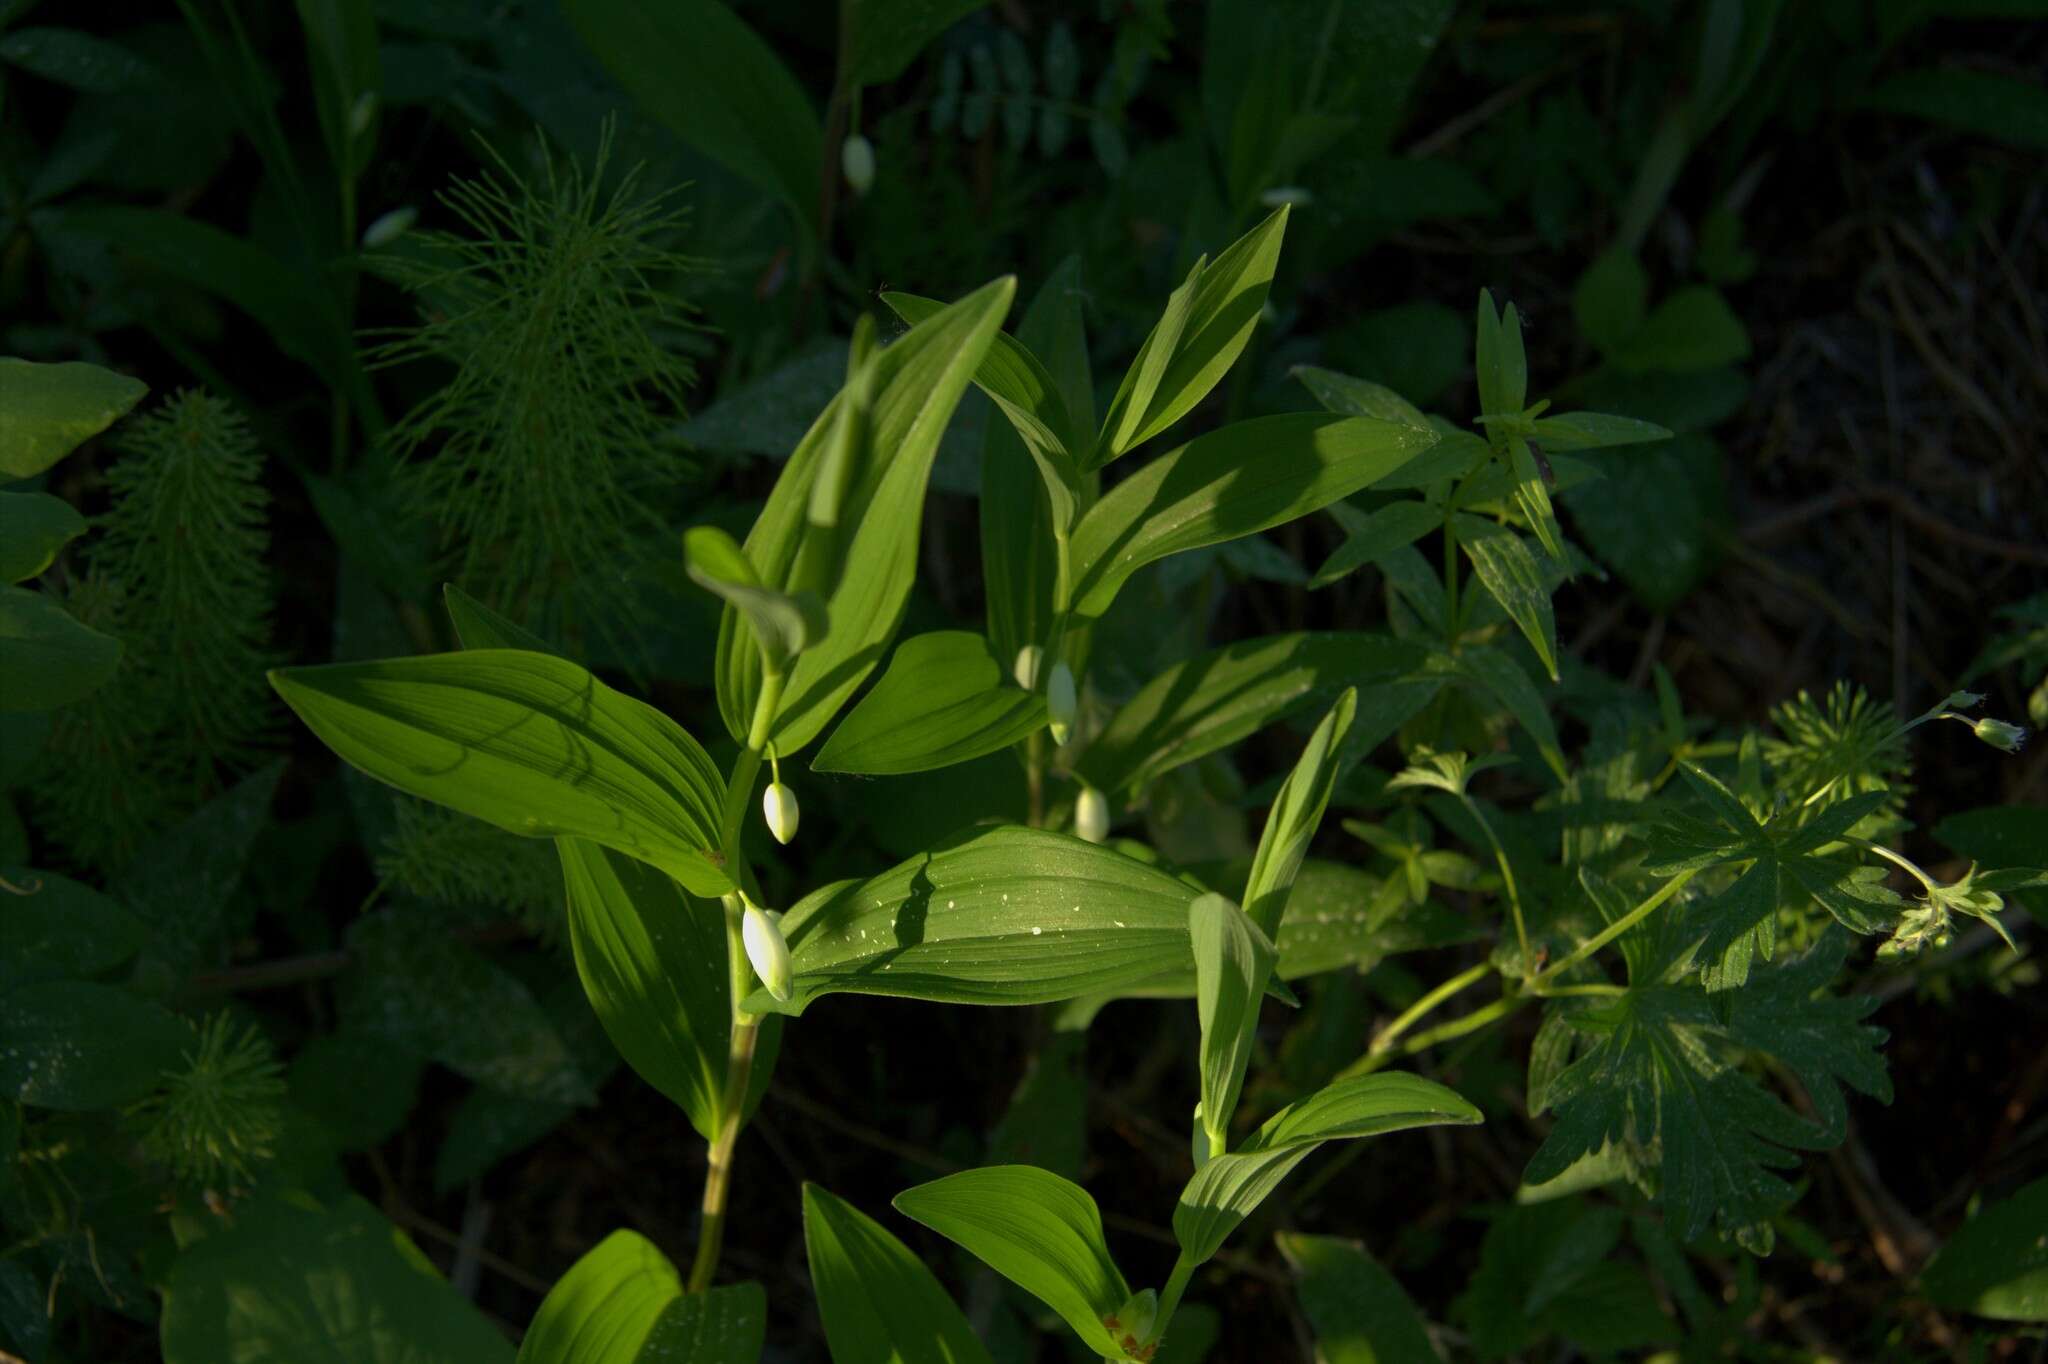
{"type": "Point", "coordinates": [778, 807]}
{"type": "Point", "coordinates": [857, 160]}
{"type": "Point", "coordinates": [1091, 815]}
{"type": "Point", "coordinates": [1030, 659]}
{"type": "Point", "coordinates": [1999, 734]}
{"type": "Point", "coordinates": [389, 227]}
{"type": "Point", "coordinates": [1061, 704]}
{"type": "Point", "coordinates": [761, 931]}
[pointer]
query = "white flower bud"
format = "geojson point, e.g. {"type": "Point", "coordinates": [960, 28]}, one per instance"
{"type": "Point", "coordinates": [761, 931]}
{"type": "Point", "coordinates": [857, 160]}
{"type": "Point", "coordinates": [1091, 815]}
{"type": "Point", "coordinates": [1999, 734]}
{"type": "Point", "coordinates": [1061, 704]}
{"type": "Point", "coordinates": [1030, 659]}
{"type": "Point", "coordinates": [389, 227]}
{"type": "Point", "coordinates": [779, 808]}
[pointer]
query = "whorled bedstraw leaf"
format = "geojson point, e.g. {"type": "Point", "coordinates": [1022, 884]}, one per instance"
{"type": "Point", "coordinates": [946, 698]}
{"type": "Point", "coordinates": [1228, 1188]}
{"type": "Point", "coordinates": [1657, 1078]}
{"type": "Point", "coordinates": [528, 742]}
{"type": "Point", "coordinates": [1502, 562]}
{"type": "Point", "coordinates": [623, 1303]}
{"type": "Point", "coordinates": [1246, 477]}
{"type": "Point", "coordinates": [33, 527]}
{"type": "Point", "coordinates": [1005, 915]}
{"type": "Point", "coordinates": [1039, 1231]}
{"type": "Point", "coordinates": [1204, 329]}
{"type": "Point", "coordinates": [1370, 536]}
{"type": "Point", "coordinates": [1214, 699]}
{"type": "Point", "coordinates": [47, 411]}
{"type": "Point", "coordinates": [1233, 958]}
{"type": "Point", "coordinates": [878, 1302]}
{"type": "Point", "coordinates": [864, 563]}
{"type": "Point", "coordinates": [1594, 430]}
{"type": "Point", "coordinates": [1497, 348]}
{"type": "Point", "coordinates": [785, 623]}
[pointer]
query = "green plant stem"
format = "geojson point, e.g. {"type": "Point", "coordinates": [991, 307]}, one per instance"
{"type": "Point", "coordinates": [1169, 1297]}
{"type": "Point", "coordinates": [732, 1103]}
{"type": "Point", "coordinates": [1612, 931]}
{"type": "Point", "coordinates": [1450, 580]}
{"type": "Point", "coordinates": [1895, 859]}
{"type": "Point", "coordinates": [764, 711]}
{"type": "Point", "coordinates": [1507, 876]}
{"type": "Point", "coordinates": [1421, 1007]}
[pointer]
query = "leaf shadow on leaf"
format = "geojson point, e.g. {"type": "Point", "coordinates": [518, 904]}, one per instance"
{"type": "Point", "coordinates": [910, 918]}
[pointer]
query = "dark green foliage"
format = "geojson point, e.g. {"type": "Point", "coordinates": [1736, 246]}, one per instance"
{"type": "Point", "coordinates": [217, 1117]}
{"type": "Point", "coordinates": [556, 308]}
{"type": "Point", "coordinates": [177, 573]}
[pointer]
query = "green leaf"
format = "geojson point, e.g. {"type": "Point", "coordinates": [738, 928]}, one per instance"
{"type": "Point", "coordinates": [1018, 499]}
{"type": "Point", "coordinates": [945, 699]}
{"type": "Point", "coordinates": [883, 36]}
{"type": "Point", "coordinates": [1233, 959]}
{"type": "Point", "coordinates": [479, 627]}
{"type": "Point", "coordinates": [24, 1302]}
{"type": "Point", "coordinates": [47, 658]}
{"type": "Point", "coordinates": [1996, 1264]}
{"type": "Point", "coordinates": [88, 64]}
{"type": "Point", "coordinates": [341, 50]}
{"type": "Point", "coordinates": [784, 624]}
{"type": "Point", "coordinates": [623, 1303]}
{"type": "Point", "coordinates": [50, 410]}
{"type": "Point", "coordinates": [1214, 699]}
{"type": "Point", "coordinates": [358, 1086]}
{"type": "Point", "coordinates": [1593, 430]}
{"type": "Point", "coordinates": [1349, 397]}
{"type": "Point", "coordinates": [54, 928]}
{"type": "Point", "coordinates": [1694, 329]}
{"type": "Point", "coordinates": [1370, 536]}
{"type": "Point", "coordinates": [2004, 108]}
{"type": "Point", "coordinates": [1657, 515]}
{"type": "Point", "coordinates": [1510, 572]}
{"type": "Point", "coordinates": [1039, 1231]}
{"type": "Point", "coordinates": [1247, 477]}
{"type": "Point", "coordinates": [1017, 382]}
{"type": "Point", "coordinates": [698, 70]}
{"type": "Point", "coordinates": [1611, 300]}
{"type": "Point", "coordinates": [916, 383]}
{"type": "Point", "coordinates": [1997, 835]}
{"type": "Point", "coordinates": [183, 881]}
{"type": "Point", "coordinates": [33, 527]}
{"type": "Point", "coordinates": [1657, 1079]}
{"type": "Point", "coordinates": [1007, 915]}
{"type": "Point", "coordinates": [528, 742]}
{"type": "Point", "coordinates": [878, 1301]}
{"type": "Point", "coordinates": [420, 988]}
{"type": "Point", "coordinates": [71, 1045]}
{"type": "Point", "coordinates": [1226, 1190]}
{"type": "Point", "coordinates": [1296, 814]}
{"type": "Point", "coordinates": [290, 1283]}
{"type": "Point", "coordinates": [1500, 676]}
{"type": "Point", "coordinates": [1359, 1312]}
{"type": "Point", "coordinates": [653, 962]}
{"type": "Point", "coordinates": [1191, 348]}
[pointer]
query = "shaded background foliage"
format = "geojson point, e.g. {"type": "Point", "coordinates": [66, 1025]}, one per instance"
{"type": "Point", "coordinates": [1817, 257]}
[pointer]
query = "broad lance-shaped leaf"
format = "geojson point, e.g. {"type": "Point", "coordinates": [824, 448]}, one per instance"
{"type": "Point", "coordinates": [1233, 959]}
{"type": "Point", "coordinates": [995, 916]}
{"type": "Point", "coordinates": [1296, 814]}
{"type": "Point", "coordinates": [1205, 329]}
{"type": "Point", "coordinates": [48, 659]}
{"type": "Point", "coordinates": [623, 1303]}
{"type": "Point", "coordinates": [654, 966]}
{"type": "Point", "coordinates": [1351, 397]}
{"type": "Point", "coordinates": [47, 411]}
{"type": "Point", "coordinates": [1216, 698]}
{"type": "Point", "coordinates": [877, 1300]}
{"type": "Point", "coordinates": [1021, 493]}
{"type": "Point", "coordinates": [1247, 477]}
{"type": "Point", "coordinates": [528, 742]}
{"type": "Point", "coordinates": [33, 527]}
{"type": "Point", "coordinates": [784, 623]}
{"type": "Point", "coordinates": [1012, 376]}
{"type": "Point", "coordinates": [944, 699]}
{"type": "Point", "coordinates": [1509, 571]}
{"type": "Point", "coordinates": [1039, 1231]}
{"type": "Point", "coordinates": [1228, 1188]}
{"type": "Point", "coordinates": [915, 385]}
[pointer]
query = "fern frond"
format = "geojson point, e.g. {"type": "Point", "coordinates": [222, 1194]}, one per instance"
{"type": "Point", "coordinates": [536, 461]}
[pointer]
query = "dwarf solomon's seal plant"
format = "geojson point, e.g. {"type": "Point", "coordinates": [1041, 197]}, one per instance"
{"type": "Point", "coordinates": [1673, 906]}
